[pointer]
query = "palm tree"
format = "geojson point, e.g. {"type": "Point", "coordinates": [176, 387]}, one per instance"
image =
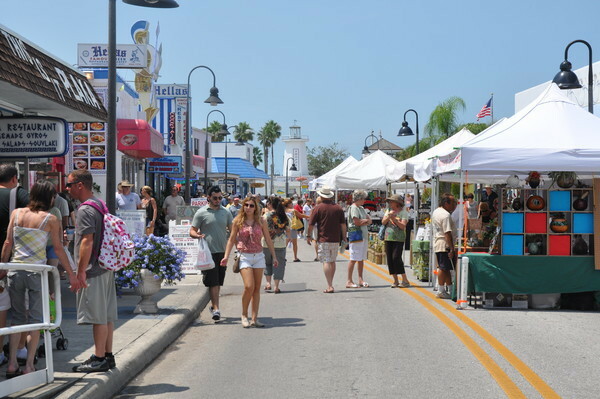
{"type": "Point", "coordinates": [243, 132]}
{"type": "Point", "coordinates": [215, 129]}
{"type": "Point", "coordinates": [265, 142]}
{"type": "Point", "coordinates": [274, 130]}
{"type": "Point", "coordinates": [443, 119]}
{"type": "Point", "coordinates": [257, 156]}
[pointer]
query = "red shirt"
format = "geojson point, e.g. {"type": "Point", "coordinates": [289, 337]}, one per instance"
{"type": "Point", "coordinates": [298, 208]}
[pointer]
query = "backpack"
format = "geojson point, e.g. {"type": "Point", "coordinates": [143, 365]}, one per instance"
{"type": "Point", "coordinates": [117, 248]}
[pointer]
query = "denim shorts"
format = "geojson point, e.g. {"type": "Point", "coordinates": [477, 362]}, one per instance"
{"type": "Point", "coordinates": [253, 261]}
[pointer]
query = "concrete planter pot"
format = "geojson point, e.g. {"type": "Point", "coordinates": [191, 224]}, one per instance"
{"type": "Point", "coordinates": [147, 287]}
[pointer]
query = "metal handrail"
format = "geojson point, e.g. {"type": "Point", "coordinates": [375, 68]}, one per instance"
{"type": "Point", "coordinates": [43, 376]}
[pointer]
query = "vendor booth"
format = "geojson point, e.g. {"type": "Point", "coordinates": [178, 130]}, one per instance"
{"type": "Point", "coordinates": [328, 179]}
{"type": "Point", "coordinates": [547, 234]}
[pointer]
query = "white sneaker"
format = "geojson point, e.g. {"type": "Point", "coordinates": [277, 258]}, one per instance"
{"type": "Point", "coordinates": [216, 314]}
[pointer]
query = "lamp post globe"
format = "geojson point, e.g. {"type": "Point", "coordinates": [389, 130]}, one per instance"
{"type": "Point", "coordinates": [566, 79]}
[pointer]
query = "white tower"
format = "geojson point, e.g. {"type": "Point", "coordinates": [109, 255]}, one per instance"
{"type": "Point", "coordinates": [295, 148]}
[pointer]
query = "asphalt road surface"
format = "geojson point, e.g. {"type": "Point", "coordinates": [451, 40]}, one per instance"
{"type": "Point", "coordinates": [374, 342]}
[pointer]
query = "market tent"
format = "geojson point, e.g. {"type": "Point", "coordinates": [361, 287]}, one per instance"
{"type": "Point", "coordinates": [424, 160]}
{"type": "Point", "coordinates": [552, 133]}
{"type": "Point", "coordinates": [328, 179]}
{"type": "Point", "coordinates": [369, 173]}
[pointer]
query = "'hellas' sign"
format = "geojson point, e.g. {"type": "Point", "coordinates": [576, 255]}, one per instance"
{"type": "Point", "coordinates": [132, 56]}
{"type": "Point", "coordinates": [33, 137]}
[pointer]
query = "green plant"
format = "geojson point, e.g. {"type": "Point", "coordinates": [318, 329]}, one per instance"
{"type": "Point", "coordinates": [96, 188]}
{"type": "Point", "coordinates": [556, 176]}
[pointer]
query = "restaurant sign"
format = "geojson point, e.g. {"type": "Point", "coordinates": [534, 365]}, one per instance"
{"type": "Point", "coordinates": [33, 137]}
{"type": "Point", "coordinates": [133, 56]}
{"type": "Point", "coordinates": [170, 164]}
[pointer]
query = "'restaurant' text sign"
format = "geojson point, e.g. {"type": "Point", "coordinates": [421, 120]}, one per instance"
{"type": "Point", "coordinates": [170, 164]}
{"type": "Point", "coordinates": [33, 137]}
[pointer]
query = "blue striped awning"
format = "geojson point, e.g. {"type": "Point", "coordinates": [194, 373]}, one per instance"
{"type": "Point", "coordinates": [237, 166]}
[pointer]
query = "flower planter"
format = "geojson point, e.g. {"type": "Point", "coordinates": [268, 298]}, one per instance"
{"type": "Point", "coordinates": [147, 287]}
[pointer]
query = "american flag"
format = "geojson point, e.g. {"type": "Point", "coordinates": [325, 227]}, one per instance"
{"type": "Point", "coordinates": [486, 110]}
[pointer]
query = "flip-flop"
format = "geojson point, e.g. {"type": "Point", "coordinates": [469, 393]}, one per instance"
{"type": "Point", "coordinates": [352, 286]}
{"type": "Point", "coordinates": [277, 291]}
{"type": "Point", "coordinates": [328, 291]}
{"type": "Point", "coordinates": [267, 288]}
{"type": "Point", "coordinates": [14, 374]}
{"type": "Point", "coordinates": [364, 284]}
{"type": "Point", "coordinates": [394, 285]}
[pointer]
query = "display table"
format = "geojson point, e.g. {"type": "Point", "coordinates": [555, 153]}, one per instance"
{"type": "Point", "coordinates": [532, 274]}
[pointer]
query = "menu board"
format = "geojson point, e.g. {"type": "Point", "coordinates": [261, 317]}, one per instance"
{"type": "Point", "coordinates": [88, 147]}
{"type": "Point", "coordinates": [180, 237]}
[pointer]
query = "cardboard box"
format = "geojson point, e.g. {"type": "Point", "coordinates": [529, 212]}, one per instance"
{"type": "Point", "coordinates": [520, 301]}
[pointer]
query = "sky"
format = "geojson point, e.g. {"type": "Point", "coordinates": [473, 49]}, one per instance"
{"type": "Point", "coordinates": [339, 68]}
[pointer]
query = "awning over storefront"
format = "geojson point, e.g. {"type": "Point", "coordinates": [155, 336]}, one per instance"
{"type": "Point", "coordinates": [239, 167]}
{"type": "Point", "coordinates": [32, 81]}
{"type": "Point", "coordinates": [136, 138]}
{"type": "Point", "coordinates": [198, 163]}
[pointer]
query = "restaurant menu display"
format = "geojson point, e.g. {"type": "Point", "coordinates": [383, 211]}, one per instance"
{"type": "Point", "coordinates": [88, 147]}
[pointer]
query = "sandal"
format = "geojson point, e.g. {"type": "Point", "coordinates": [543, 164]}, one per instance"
{"type": "Point", "coordinates": [395, 285]}
{"type": "Point", "coordinates": [277, 291]}
{"type": "Point", "coordinates": [267, 288]}
{"type": "Point", "coordinates": [364, 284]}
{"type": "Point", "coordinates": [352, 285]}
{"type": "Point", "coordinates": [329, 291]}
{"type": "Point", "coordinates": [13, 374]}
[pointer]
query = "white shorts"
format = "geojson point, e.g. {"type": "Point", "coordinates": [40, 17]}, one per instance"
{"type": "Point", "coordinates": [4, 300]}
{"type": "Point", "coordinates": [358, 250]}
{"type": "Point", "coordinates": [253, 261]}
{"type": "Point", "coordinates": [327, 251]}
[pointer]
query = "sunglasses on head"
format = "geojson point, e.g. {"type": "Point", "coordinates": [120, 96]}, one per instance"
{"type": "Point", "coordinates": [249, 205]}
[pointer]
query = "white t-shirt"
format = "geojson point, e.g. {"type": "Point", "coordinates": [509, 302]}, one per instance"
{"type": "Point", "coordinates": [128, 202]}
{"type": "Point", "coordinates": [170, 205]}
{"type": "Point", "coordinates": [306, 210]}
{"type": "Point", "coordinates": [442, 222]}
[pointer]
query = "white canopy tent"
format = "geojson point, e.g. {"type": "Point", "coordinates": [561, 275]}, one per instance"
{"type": "Point", "coordinates": [369, 173]}
{"type": "Point", "coordinates": [413, 166]}
{"type": "Point", "coordinates": [553, 133]}
{"type": "Point", "coordinates": [328, 179]}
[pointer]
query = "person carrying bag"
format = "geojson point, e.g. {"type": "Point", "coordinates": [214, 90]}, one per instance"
{"type": "Point", "coordinates": [204, 261]}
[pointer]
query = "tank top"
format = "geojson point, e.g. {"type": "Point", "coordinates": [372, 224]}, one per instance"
{"type": "Point", "coordinates": [249, 238]}
{"type": "Point", "coordinates": [29, 243]}
{"type": "Point", "coordinates": [149, 211]}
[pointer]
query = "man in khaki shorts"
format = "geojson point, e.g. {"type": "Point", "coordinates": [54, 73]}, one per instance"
{"type": "Point", "coordinates": [331, 229]}
{"type": "Point", "coordinates": [97, 303]}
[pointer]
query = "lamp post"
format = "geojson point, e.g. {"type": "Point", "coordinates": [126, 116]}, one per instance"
{"type": "Point", "coordinates": [206, 147]}
{"type": "Point", "coordinates": [405, 130]}
{"type": "Point", "coordinates": [111, 137]}
{"type": "Point", "coordinates": [213, 100]}
{"type": "Point", "coordinates": [365, 150]}
{"type": "Point", "coordinates": [566, 79]}
{"type": "Point", "coordinates": [293, 169]}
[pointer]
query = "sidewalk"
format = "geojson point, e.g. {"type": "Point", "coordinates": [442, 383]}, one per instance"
{"type": "Point", "coordinates": [138, 340]}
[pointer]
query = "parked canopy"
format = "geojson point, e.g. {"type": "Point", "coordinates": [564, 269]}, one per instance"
{"type": "Point", "coordinates": [328, 179]}
{"type": "Point", "coordinates": [370, 173]}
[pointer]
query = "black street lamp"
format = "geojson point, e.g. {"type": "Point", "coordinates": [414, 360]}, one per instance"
{"type": "Point", "coordinates": [223, 127]}
{"type": "Point", "coordinates": [111, 137]}
{"type": "Point", "coordinates": [566, 79]}
{"type": "Point", "coordinates": [213, 100]}
{"type": "Point", "coordinates": [405, 130]}
{"type": "Point", "coordinates": [365, 150]}
{"type": "Point", "coordinates": [226, 133]}
{"type": "Point", "coordinates": [293, 169]}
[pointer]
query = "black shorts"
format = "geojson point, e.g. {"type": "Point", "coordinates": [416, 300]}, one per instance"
{"type": "Point", "coordinates": [444, 261]}
{"type": "Point", "coordinates": [215, 277]}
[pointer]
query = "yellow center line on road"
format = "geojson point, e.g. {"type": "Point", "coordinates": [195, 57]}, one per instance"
{"type": "Point", "coordinates": [535, 380]}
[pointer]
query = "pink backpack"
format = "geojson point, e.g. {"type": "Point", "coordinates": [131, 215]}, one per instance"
{"type": "Point", "coordinates": [117, 248]}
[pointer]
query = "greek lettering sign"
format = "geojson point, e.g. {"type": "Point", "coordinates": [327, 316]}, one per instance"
{"type": "Point", "coordinates": [33, 137]}
{"type": "Point", "coordinates": [170, 164]}
{"type": "Point", "coordinates": [171, 91]}
{"type": "Point", "coordinates": [132, 56]}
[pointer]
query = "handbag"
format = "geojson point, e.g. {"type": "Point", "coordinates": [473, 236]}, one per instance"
{"type": "Point", "coordinates": [236, 263]}
{"type": "Point", "coordinates": [355, 236]}
{"type": "Point", "coordinates": [204, 260]}
{"type": "Point", "coordinates": [296, 223]}
{"type": "Point", "coordinates": [381, 233]}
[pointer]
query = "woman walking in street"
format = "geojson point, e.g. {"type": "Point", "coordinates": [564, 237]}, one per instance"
{"type": "Point", "coordinates": [395, 220]}
{"type": "Point", "coordinates": [149, 204]}
{"type": "Point", "coordinates": [358, 237]}
{"type": "Point", "coordinates": [279, 227]}
{"type": "Point", "coordinates": [30, 230]}
{"type": "Point", "coordinates": [248, 228]}
{"type": "Point", "coordinates": [295, 217]}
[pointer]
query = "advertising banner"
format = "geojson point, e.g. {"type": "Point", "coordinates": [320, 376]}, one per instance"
{"type": "Point", "coordinates": [134, 220]}
{"type": "Point", "coordinates": [33, 137]}
{"type": "Point", "coordinates": [170, 91]}
{"type": "Point", "coordinates": [88, 147]}
{"type": "Point", "coordinates": [131, 56]}
{"type": "Point", "coordinates": [180, 237]}
{"type": "Point", "coordinates": [170, 164]}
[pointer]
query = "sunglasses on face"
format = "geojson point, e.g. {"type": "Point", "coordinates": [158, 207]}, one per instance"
{"type": "Point", "coordinates": [216, 198]}
{"type": "Point", "coordinates": [69, 185]}
{"type": "Point", "coordinates": [249, 205]}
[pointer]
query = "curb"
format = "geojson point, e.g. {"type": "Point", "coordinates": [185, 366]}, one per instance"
{"type": "Point", "coordinates": [139, 354]}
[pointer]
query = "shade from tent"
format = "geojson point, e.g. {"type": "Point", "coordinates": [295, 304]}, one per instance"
{"type": "Point", "coordinates": [370, 173]}
{"type": "Point", "coordinates": [328, 179]}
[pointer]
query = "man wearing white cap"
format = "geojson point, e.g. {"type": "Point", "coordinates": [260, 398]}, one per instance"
{"type": "Point", "coordinates": [127, 200]}
{"type": "Point", "coordinates": [331, 228]}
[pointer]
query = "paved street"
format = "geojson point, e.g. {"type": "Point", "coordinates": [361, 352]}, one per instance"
{"type": "Point", "coordinates": [374, 342]}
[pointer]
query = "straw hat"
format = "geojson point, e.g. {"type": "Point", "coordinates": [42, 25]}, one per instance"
{"type": "Point", "coordinates": [395, 198]}
{"type": "Point", "coordinates": [125, 183]}
{"type": "Point", "coordinates": [325, 192]}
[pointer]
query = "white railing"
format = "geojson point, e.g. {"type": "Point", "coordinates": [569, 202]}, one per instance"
{"type": "Point", "coordinates": [43, 376]}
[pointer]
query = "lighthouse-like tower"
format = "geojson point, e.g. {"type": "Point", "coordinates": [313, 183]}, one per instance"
{"type": "Point", "coordinates": [295, 148]}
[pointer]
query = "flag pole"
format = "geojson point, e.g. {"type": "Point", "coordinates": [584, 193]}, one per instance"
{"type": "Point", "coordinates": [492, 106]}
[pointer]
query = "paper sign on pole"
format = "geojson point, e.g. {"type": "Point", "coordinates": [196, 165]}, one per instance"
{"type": "Point", "coordinates": [180, 237]}
{"type": "Point", "coordinates": [134, 220]}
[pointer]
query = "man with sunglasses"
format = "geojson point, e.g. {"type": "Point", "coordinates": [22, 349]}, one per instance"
{"type": "Point", "coordinates": [213, 222]}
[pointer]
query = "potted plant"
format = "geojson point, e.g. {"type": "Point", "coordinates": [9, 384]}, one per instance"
{"type": "Point", "coordinates": [156, 260]}
{"type": "Point", "coordinates": [563, 179]}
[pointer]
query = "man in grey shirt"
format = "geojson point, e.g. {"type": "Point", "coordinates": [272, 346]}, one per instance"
{"type": "Point", "coordinates": [235, 207]}
{"type": "Point", "coordinates": [212, 222]}
{"type": "Point", "coordinates": [97, 301]}
{"type": "Point", "coordinates": [171, 203]}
